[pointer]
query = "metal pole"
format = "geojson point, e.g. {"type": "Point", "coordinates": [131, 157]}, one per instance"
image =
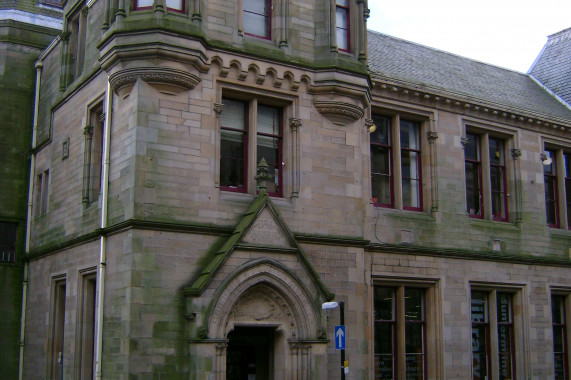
{"type": "Point", "coordinates": [342, 320]}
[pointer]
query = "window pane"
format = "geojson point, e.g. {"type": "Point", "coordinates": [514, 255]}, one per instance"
{"type": "Point", "coordinates": [557, 309]}
{"type": "Point", "coordinates": [175, 4]}
{"type": "Point", "coordinates": [381, 135]}
{"type": "Point", "coordinates": [384, 366]}
{"type": "Point", "coordinates": [384, 333]}
{"type": "Point", "coordinates": [414, 304]}
{"type": "Point", "coordinates": [341, 18]}
{"type": "Point", "coordinates": [144, 3]}
{"type": "Point", "coordinates": [256, 24]}
{"type": "Point", "coordinates": [268, 149]}
{"type": "Point", "coordinates": [344, 3]}
{"type": "Point", "coordinates": [414, 367]}
{"type": "Point", "coordinates": [268, 120]}
{"type": "Point", "coordinates": [342, 39]}
{"type": "Point", "coordinates": [256, 6]}
{"type": "Point", "coordinates": [232, 159]}
{"type": "Point", "coordinates": [479, 315]}
{"type": "Point", "coordinates": [505, 336]}
{"type": "Point", "coordinates": [384, 303]}
{"type": "Point", "coordinates": [473, 188]}
{"type": "Point", "coordinates": [8, 236]}
{"type": "Point", "coordinates": [472, 147]}
{"type": "Point", "coordinates": [233, 115]}
{"type": "Point", "coordinates": [380, 175]}
{"type": "Point", "coordinates": [414, 338]}
{"type": "Point", "coordinates": [409, 133]}
{"type": "Point", "coordinates": [496, 151]}
{"type": "Point", "coordinates": [549, 163]}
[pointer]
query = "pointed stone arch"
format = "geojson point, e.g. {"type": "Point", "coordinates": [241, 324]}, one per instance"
{"type": "Point", "coordinates": [296, 313]}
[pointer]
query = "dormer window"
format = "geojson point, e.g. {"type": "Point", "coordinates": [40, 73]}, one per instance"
{"type": "Point", "coordinates": [342, 24]}
{"type": "Point", "coordinates": [257, 15]}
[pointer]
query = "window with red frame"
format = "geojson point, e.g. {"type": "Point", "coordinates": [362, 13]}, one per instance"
{"type": "Point", "coordinates": [381, 163]}
{"type": "Point", "coordinates": [550, 184]}
{"type": "Point", "coordinates": [480, 336]}
{"type": "Point", "coordinates": [506, 352]}
{"type": "Point", "coordinates": [498, 179]}
{"type": "Point", "coordinates": [473, 166]}
{"type": "Point", "coordinates": [561, 363]}
{"type": "Point", "coordinates": [567, 162]}
{"type": "Point", "coordinates": [388, 316]}
{"type": "Point", "coordinates": [233, 145]}
{"type": "Point", "coordinates": [269, 145]}
{"type": "Point", "coordinates": [173, 5]}
{"type": "Point", "coordinates": [342, 24]}
{"type": "Point", "coordinates": [410, 165]}
{"type": "Point", "coordinates": [257, 18]}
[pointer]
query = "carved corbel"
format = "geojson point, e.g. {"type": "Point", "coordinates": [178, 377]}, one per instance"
{"type": "Point", "coordinates": [218, 107]}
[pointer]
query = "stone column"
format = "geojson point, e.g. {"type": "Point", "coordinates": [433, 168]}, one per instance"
{"type": "Point", "coordinates": [516, 154]}
{"type": "Point", "coordinates": [88, 134]}
{"type": "Point", "coordinates": [432, 136]}
{"type": "Point", "coordinates": [295, 124]}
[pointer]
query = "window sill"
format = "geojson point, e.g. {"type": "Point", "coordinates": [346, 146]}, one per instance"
{"type": "Point", "coordinates": [409, 214]}
{"type": "Point", "coordinates": [559, 232]}
{"type": "Point", "coordinates": [479, 222]}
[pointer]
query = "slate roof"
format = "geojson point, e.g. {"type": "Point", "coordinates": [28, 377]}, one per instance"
{"type": "Point", "coordinates": [553, 66]}
{"type": "Point", "coordinates": [432, 70]}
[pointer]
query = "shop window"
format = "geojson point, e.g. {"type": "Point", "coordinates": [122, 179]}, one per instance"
{"type": "Point", "coordinates": [342, 24]}
{"type": "Point", "coordinates": [486, 181]}
{"type": "Point", "coordinates": [250, 130]}
{"type": "Point", "coordinates": [396, 165]}
{"type": "Point", "coordinates": [8, 238]}
{"type": "Point", "coordinates": [257, 18]}
{"type": "Point", "coordinates": [488, 337]}
{"type": "Point", "coordinates": [560, 318]}
{"type": "Point", "coordinates": [404, 327]}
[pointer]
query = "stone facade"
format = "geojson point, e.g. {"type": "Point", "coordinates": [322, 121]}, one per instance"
{"type": "Point", "coordinates": [146, 263]}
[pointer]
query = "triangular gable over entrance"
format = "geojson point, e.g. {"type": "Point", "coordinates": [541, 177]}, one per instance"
{"type": "Point", "coordinates": [261, 227]}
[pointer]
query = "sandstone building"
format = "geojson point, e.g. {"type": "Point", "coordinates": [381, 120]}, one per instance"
{"type": "Point", "coordinates": [204, 175]}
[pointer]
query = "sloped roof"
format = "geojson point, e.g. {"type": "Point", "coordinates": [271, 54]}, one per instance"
{"type": "Point", "coordinates": [430, 69]}
{"type": "Point", "coordinates": [553, 66]}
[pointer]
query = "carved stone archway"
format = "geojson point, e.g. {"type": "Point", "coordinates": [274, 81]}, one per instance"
{"type": "Point", "coordinates": [266, 294]}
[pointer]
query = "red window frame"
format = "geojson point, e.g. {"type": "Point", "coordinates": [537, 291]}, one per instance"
{"type": "Point", "coordinates": [480, 322]}
{"type": "Point", "coordinates": [560, 327]}
{"type": "Point", "coordinates": [551, 191]}
{"type": "Point", "coordinates": [342, 10]}
{"type": "Point", "coordinates": [411, 151]}
{"type": "Point", "coordinates": [476, 162]}
{"type": "Point", "coordinates": [383, 124]}
{"type": "Point", "coordinates": [267, 17]}
{"type": "Point", "coordinates": [410, 323]}
{"type": "Point", "coordinates": [500, 193]}
{"type": "Point", "coordinates": [277, 165]}
{"type": "Point", "coordinates": [242, 187]}
{"type": "Point", "coordinates": [182, 10]}
{"type": "Point", "coordinates": [506, 351]}
{"type": "Point", "coordinates": [389, 324]}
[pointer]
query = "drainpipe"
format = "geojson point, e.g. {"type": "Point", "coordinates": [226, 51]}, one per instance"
{"type": "Point", "coordinates": [39, 65]}
{"type": "Point", "coordinates": [103, 239]}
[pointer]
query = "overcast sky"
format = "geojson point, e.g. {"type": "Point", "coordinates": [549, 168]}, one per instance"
{"type": "Point", "coordinates": [505, 33]}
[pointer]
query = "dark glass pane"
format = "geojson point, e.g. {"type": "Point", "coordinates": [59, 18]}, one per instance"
{"type": "Point", "coordinates": [505, 366]}
{"type": "Point", "coordinates": [472, 147]}
{"type": "Point", "coordinates": [498, 205]}
{"type": "Point", "coordinates": [496, 152]}
{"type": "Point", "coordinates": [557, 309]}
{"type": "Point", "coordinates": [384, 365]}
{"type": "Point", "coordinates": [384, 303]}
{"type": "Point", "coordinates": [472, 175]}
{"type": "Point", "coordinates": [380, 175]}
{"type": "Point", "coordinates": [549, 163]}
{"type": "Point", "coordinates": [479, 333]}
{"type": "Point", "coordinates": [414, 367]}
{"type": "Point", "coordinates": [411, 193]}
{"type": "Point", "coordinates": [479, 367]}
{"type": "Point", "coordinates": [232, 159]}
{"type": "Point", "coordinates": [414, 338]}
{"type": "Point", "coordinates": [409, 133]}
{"type": "Point", "coordinates": [380, 160]}
{"type": "Point", "coordinates": [559, 362]}
{"type": "Point", "coordinates": [380, 192]}
{"type": "Point", "coordinates": [414, 304]}
{"type": "Point", "coordinates": [268, 149]}
{"type": "Point", "coordinates": [504, 308]}
{"type": "Point", "coordinates": [558, 339]}
{"type": "Point", "coordinates": [8, 237]}
{"type": "Point", "coordinates": [384, 338]}
{"type": "Point", "coordinates": [381, 135]}
{"type": "Point", "coordinates": [567, 162]}
{"type": "Point", "coordinates": [568, 197]}
{"type": "Point", "coordinates": [497, 178]}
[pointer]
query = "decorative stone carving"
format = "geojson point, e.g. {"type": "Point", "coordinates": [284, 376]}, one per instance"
{"type": "Point", "coordinates": [218, 107]}
{"type": "Point", "coordinates": [346, 110]}
{"type": "Point", "coordinates": [294, 123]}
{"type": "Point", "coordinates": [432, 136]}
{"type": "Point", "coordinates": [161, 75]}
{"type": "Point", "coordinates": [464, 141]}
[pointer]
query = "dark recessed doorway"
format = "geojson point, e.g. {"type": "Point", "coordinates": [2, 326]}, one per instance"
{"type": "Point", "coordinates": [250, 353]}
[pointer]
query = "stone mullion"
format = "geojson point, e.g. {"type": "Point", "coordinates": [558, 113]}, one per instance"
{"type": "Point", "coordinates": [295, 124]}
{"type": "Point", "coordinates": [396, 164]}
{"type": "Point", "coordinates": [284, 24]}
{"type": "Point", "coordinates": [432, 136]}
{"type": "Point", "coordinates": [332, 30]}
{"type": "Point", "coordinates": [217, 107]}
{"type": "Point", "coordinates": [561, 196]}
{"type": "Point", "coordinates": [221, 350]}
{"type": "Point", "coordinates": [516, 154]}
{"type": "Point", "coordinates": [64, 71]}
{"type": "Point", "coordinates": [486, 176]}
{"type": "Point", "coordinates": [88, 133]}
{"type": "Point", "coordinates": [362, 30]}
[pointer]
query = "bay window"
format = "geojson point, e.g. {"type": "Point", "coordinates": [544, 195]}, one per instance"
{"type": "Point", "coordinates": [342, 24]}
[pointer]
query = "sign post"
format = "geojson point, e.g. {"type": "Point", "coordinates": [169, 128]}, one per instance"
{"type": "Point", "coordinates": [340, 334]}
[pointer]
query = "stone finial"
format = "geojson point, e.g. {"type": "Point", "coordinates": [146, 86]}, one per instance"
{"type": "Point", "coordinates": [263, 175]}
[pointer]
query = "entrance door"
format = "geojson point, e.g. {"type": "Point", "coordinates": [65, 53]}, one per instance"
{"type": "Point", "coordinates": [250, 353]}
